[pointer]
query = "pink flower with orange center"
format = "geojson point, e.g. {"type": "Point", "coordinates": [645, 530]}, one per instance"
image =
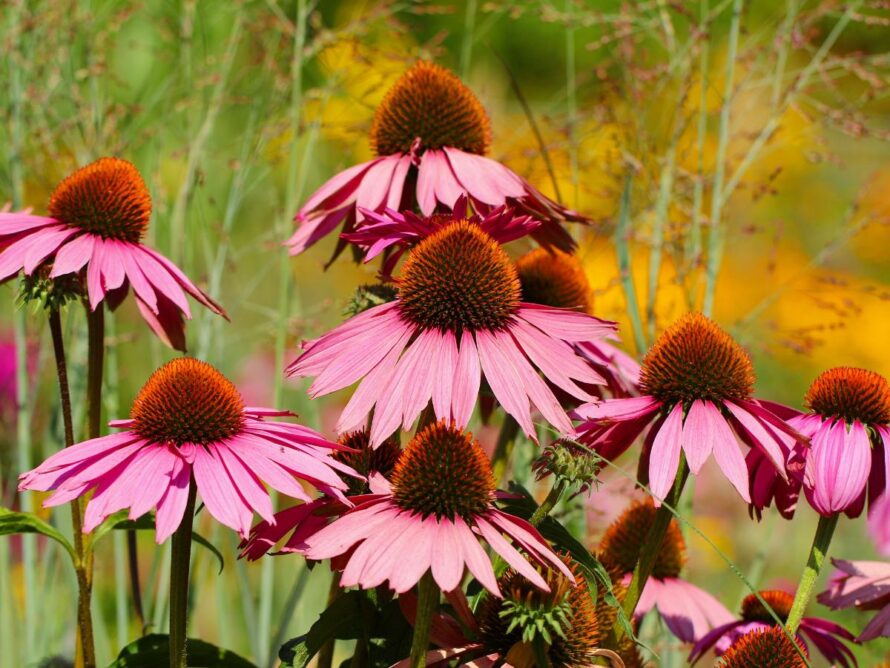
{"type": "Point", "coordinates": [97, 218]}
{"type": "Point", "coordinates": [189, 423]}
{"type": "Point", "coordinates": [430, 134]}
{"type": "Point", "coordinates": [864, 585]}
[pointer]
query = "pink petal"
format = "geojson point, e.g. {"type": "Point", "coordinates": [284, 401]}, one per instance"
{"type": "Point", "coordinates": [477, 561]}
{"type": "Point", "coordinates": [71, 257]}
{"type": "Point", "coordinates": [467, 378]}
{"type": "Point", "coordinates": [665, 456]}
{"type": "Point", "coordinates": [443, 363]}
{"type": "Point", "coordinates": [447, 556]}
{"type": "Point", "coordinates": [509, 553]}
{"type": "Point", "coordinates": [727, 454]}
{"type": "Point", "coordinates": [698, 434]}
{"type": "Point", "coordinates": [564, 324]}
{"type": "Point", "coordinates": [504, 381]}
{"type": "Point", "coordinates": [172, 505]}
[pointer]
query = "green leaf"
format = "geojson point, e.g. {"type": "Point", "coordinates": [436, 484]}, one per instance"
{"type": "Point", "coordinates": [12, 522]}
{"type": "Point", "coordinates": [120, 522]}
{"type": "Point", "coordinates": [294, 653]}
{"type": "Point", "coordinates": [154, 650]}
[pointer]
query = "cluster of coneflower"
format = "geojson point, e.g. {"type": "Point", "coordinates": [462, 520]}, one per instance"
{"type": "Point", "coordinates": [409, 501]}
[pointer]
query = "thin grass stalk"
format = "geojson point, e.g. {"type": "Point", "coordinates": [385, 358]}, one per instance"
{"type": "Point", "coordinates": [287, 614]}
{"type": "Point", "coordinates": [85, 651]}
{"type": "Point", "coordinates": [693, 255]}
{"type": "Point", "coordinates": [800, 82]}
{"type": "Point", "coordinates": [622, 246]}
{"type": "Point", "coordinates": [466, 47]}
{"type": "Point", "coordinates": [714, 238]}
{"type": "Point", "coordinates": [666, 185]}
{"type": "Point", "coordinates": [326, 653]}
{"type": "Point", "coordinates": [571, 102]}
{"type": "Point", "coordinates": [782, 54]}
{"type": "Point", "coordinates": [23, 407]}
{"type": "Point", "coordinates": [196, 146]}
{"type": "Point", "coordinates": [267, 574]}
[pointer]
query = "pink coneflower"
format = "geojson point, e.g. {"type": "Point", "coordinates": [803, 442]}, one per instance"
{"type": "Point", "coordinates": [765, 648]}
{"type": "Point", "coordinates": [188, 422]}
{"type": "Point", "coordinates": [553, 278]}
{"type": "Point", "coordinates": [430, 135]}
{"type": "Point", "coordinates": [303, 520]}
{"type": "Point", "coordinates": [848, 425]}
{"type": "Point", "coordinates": [688, 611]}
{"type": "Point", "coordinates": [864, 585]}
{"type": "Point", "coordinates": [457, 317]}
{"type": "Point", "coordinates": [433, 517]}
{"type": "Point", "coordinates": [696, 384]}
{"type": "Point", "coordinates": [97, 218]}
{"type": "Point", "coordinates": [826, 636]}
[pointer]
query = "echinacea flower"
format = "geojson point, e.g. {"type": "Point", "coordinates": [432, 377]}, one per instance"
{"type": "Point", "coordinates": [688, 611]}
{"type": "Point", "coordinates": [826, 636]}
{"type": "Point", "coordinates": [430, 135]}
{"type": "Point", "coordinates": [850, 434]}
{"type": "Point", "coordinates": [457, 317]}
{"type": "Point", "coordinates": [554, 278]}
{"type": "Point", "coordinates": [188, 422]}
{"type": "Point", "coordinates": [502, 631]}
{"type": "Point", "coordinates": [765, 648]}
{"type": "Point", "coordinates": [97, 218]}
{"type": "Point", "coordinates": [434, 516]}
{"type": "Point", "coordinates": [303, 520]}
{"type": "Point", "coordinates": [864, 585]}
{"type": "Point", "coordinates": [696, 384]}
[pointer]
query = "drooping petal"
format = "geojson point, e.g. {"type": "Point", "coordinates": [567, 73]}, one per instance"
{"type": "Point", "coordinates": [665, 455]}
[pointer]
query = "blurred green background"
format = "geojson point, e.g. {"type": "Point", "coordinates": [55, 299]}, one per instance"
{"type": "Point", "coordinates": [234, 112]}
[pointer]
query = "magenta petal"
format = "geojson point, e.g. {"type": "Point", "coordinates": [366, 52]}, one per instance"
{"type": "Point", "coordinates": [467, 378]}
{"type": "Point", "coordinates": [504, 381]}
{"type": "Point", "coordinates": [447, 557]}
{"type": "Point", "coordinates": [698, 434]}
{"type": "Point", "coordinates": [665, 456]}
{"type": "Point", "coordinates": [509, 553]}
{"type": "Point", "coordinates": [172, 505]}
{"type": "Point", "coordinates": [477, 561]}
{"type": "Point", "coordinates": [74, 255]}
{"type": "Point", "coordinates": [728, 455]}
{"type": "Point", "coordinates": [443, 366]}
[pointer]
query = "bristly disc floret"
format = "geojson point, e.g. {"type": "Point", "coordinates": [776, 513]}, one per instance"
{"type": "Point", "coordinates": [696, 359]}
{"type": "Point", "coordinates": [851, 394]}
{"type": "Point", "coordinates": [431, 104]}
{"type": "Point", "coordinates": [366, 460]}
{"type": "Point", "coordinates": [107, 197]}
{"type": "Point", "coordinates": [554, 278]}
{"type": "Point", "coordinates": [764, 648]}
{"type": "Point", "coordinates": [620, 545]}
{"type": "Point", "coordinates": [187, 401]}
{"type": "Point", "coordinates": [780, 601]}
{"type": "Point", "coordinates": [443, 472]}
{"type": "Point", "coordinates": [458, 278]}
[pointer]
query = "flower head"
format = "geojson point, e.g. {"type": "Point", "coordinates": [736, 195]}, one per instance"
{"type": "Point", "coordinates": [430, 134]}
{"type": "Point", "coordinates": [189, 423]}
{"type": "Point", "coordinates": [457, 317]}
{"type": "Point", "coordinates": [97, 218]}
{"type": "Point", "coordinates": [688, 611]}
{"type": "Point", "coordinates": [553, 278]}
{"type": "Point", "coordinates": [760, 612]}
{"type": "Point", "coordinates": [849, 432]}
{"type": "Point", "coordinates": [765, 648]}
{"type": "Point", "coordinates": [432, 516]}
{"type": "Point", "coordinates": [696, 386]}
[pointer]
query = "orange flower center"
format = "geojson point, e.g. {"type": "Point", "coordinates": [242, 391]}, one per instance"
{"type": "Point", "coordinates": [187, 401]}
{"type": "Point", "coordinates": [458, 278]}
{"type": "Point", "coordinates": [554, 278]}
{"type": "Point", "coordinates": [367, 460]}
{"type": "Point", "coordinates": [696, 359]}
{"type": "Point", "coordinates": [851, 394]}
{"type": "Point", "coordinates": [444, 472]}
{"type": "Point", "coordinates": [780, 601]}
{"type": "Point", "coordinates": [764, 648]}
{"type": "Point", "coordinates": [620, 545]}
{"type": "Point", "coordinates": [107, 197]}
{"type": "Point", "coordinates": [430, 103]}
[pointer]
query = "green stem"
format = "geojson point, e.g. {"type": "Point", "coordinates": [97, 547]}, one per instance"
{"type": "Point", "coordinates": [326, 653]}
{"type": "Point", "coordinates": [541, 658]}
{"type": "Point", "coordinates": [821, 541]}
{"type": "Point", "coordinates": [85, 647]}
{"type": "Point", "coordinates": [651, 547]}
{"type": "Point", "coordinates": [427, 602]}
{"type": "Point", "coordinates": [622, 246]}
{"type": "Point", "coordinates": [180, 556]}
{"type": "Point", "coordinates": [552, 499]}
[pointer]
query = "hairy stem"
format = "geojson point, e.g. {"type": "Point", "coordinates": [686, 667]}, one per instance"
{"type": "Point", "coordinates": [821, 541]}
{"type": "Point", "coordinates": [427, 602]}
{"type": "Point", "coordinates": [180, 556]}
{"type": "Point", "coordinates": [85, 653]}
{"type": "Point", "coordinates": [552, 499]}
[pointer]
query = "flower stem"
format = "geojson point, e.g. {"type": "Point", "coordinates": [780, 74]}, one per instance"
{"type": "Point", "coordinates": [821, 541]}
{"type": "Point", "coordinates": [180, 556]}
{"type": "Point", "coordinates": [651, 547]}
{"type": "Point", "coordinates": [85, 653]}
{"type": "Point", "coordinates": [541, 658]}
{"type": "Point", "coordinates": [552, 499]}
{"type": "Point", "coordinates": [326, 653]}
{"type": "Point", "coordinates": [427, 602]}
